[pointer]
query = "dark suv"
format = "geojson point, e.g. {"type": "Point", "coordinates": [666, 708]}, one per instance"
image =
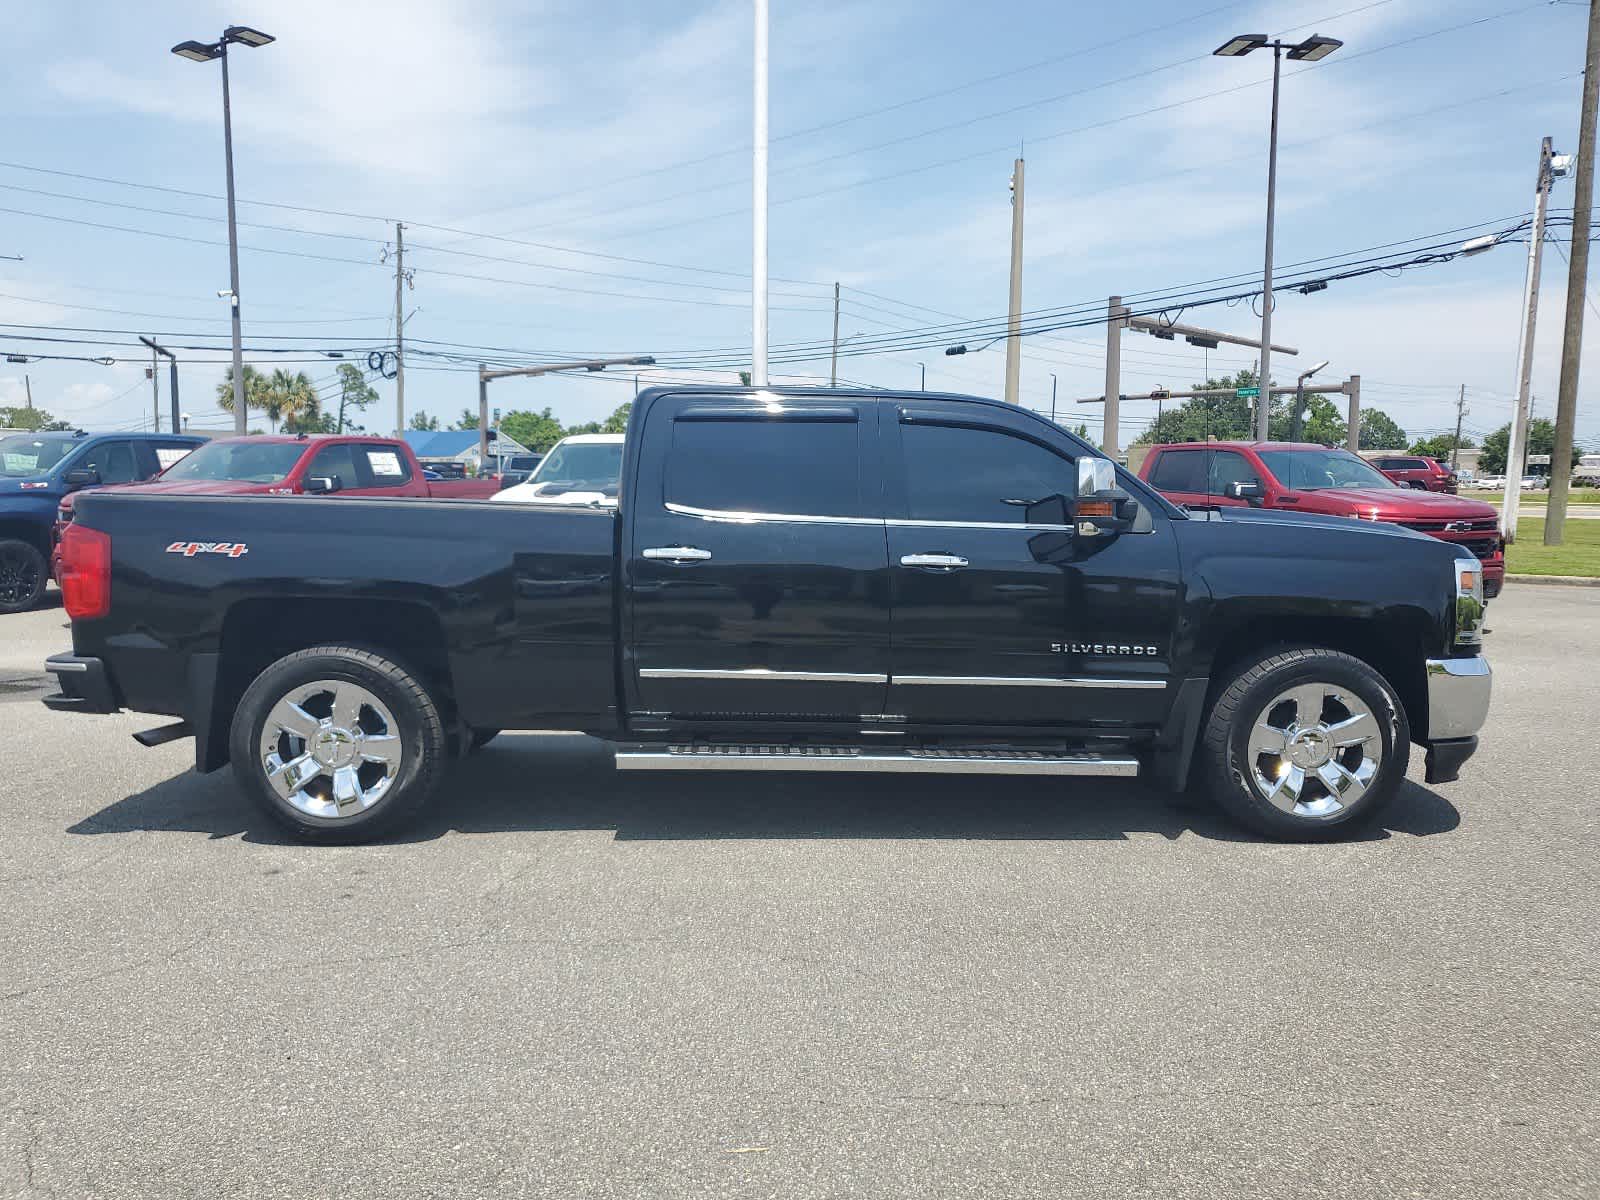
{"type": "Point", "coordinates": [1417, 471]}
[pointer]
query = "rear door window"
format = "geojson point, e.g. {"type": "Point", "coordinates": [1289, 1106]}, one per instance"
{"type": "Point", "coordinates": [804, 463]}
{"type": "Point", "coordinates": [386, 466]}
{"type": "Point", "coordinates": [1180, 471]}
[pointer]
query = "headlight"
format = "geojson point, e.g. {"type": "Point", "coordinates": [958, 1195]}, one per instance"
{"type": "Point", "coordinates": [1469, 602]}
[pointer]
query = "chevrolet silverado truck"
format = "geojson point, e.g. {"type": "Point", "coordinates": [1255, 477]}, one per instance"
{"type": "Point", "coordinates": [792, 580]}
{"type": "Point", "coordinates": [1299, 477]}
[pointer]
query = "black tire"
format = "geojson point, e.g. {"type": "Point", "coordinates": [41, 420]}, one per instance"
{"type": "Point", "coordinates": [22, 575]}
{"type": "Point", "coordinates": [1226, 770]}
{"type": "Point", "coordinates": [422, 748]}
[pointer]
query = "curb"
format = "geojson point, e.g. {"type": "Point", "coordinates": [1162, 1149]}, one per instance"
{"type": "Point", "coordinates": [1556, 580]}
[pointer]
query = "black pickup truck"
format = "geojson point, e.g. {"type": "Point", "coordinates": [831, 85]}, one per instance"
{"type": "Point", "coordinates": [794, 580]}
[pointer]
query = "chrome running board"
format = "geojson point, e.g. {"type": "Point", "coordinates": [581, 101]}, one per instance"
{"type": "Point", "coordinates": [755, 757]}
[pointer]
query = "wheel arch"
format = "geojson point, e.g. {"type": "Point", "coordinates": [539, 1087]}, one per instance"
{"type": "Point", "coordinates": [258, 632]}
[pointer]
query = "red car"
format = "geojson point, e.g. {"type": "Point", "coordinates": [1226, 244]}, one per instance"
{"type": "Point", "coordinates": [1298, 477]}
{"type": "Point", "coordinates": [1416, 471]}
{"type": "Point", "coordinates": [294, 465]}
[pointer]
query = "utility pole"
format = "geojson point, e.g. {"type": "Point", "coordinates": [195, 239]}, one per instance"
{"type": "Point", "coordinates": [1517, 451]}
{"type": "Point", "coordinates": [1014, 313]}
{"type": "Point", "coordinates": [758, 249]}
{"type": "Point", "coordinates": [1052, 397]}
{"type": "Point", "coordinates": [27, 386]}
{"type": "Point", "coordinates": [1116, 317]}
{"type": "Point", "coordinates": [1352, 433]}
{"type": "Point", "coordinates": [1461, 411]}
{"type": "Point", "coordinates": [399, 332]}
{"type": "Point", "coordinates": [1555, 521]}
{"type": "Point", "coordinates": [833, 371]}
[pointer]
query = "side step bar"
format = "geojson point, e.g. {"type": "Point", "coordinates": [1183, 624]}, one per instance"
{"type": "Point", "coordinates": [853, 758]}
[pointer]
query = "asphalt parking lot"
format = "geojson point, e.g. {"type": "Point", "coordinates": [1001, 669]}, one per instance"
{"type": "Point", "coordinates": [575, 983]}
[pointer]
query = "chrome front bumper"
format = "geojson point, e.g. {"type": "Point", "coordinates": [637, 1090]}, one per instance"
{"type": "Point", "coordinates": [1458, 697]}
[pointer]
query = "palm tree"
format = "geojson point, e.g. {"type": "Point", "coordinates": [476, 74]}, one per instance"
{"type": "Point", "coordinates": [290, 398]}
{"type": "Point", "coordinates": [254, 382]}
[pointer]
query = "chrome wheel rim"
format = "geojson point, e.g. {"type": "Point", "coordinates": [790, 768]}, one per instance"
{"type": "Point", "coordinates": [330, 749]}
{"type": "Point", "coordinates": [1314, 750]}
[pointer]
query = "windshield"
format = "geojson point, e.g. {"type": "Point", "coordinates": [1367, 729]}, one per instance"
{"type": "Point", "coordinates": [30, 454]}
{"type": "Point", "coordinates": [595, 465]}
{"type": "Point", "coordinates": [238, 462]}
{"type": "Point", "coordinates": [1314, 470]}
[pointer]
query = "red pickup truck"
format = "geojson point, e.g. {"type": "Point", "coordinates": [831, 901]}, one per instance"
{"type": "Point", "coordinates": [1417, 471]}
{"type": "Point", "coordinates": [1299, 477]}
{"type": "Point", "coordinates": [300, 464]}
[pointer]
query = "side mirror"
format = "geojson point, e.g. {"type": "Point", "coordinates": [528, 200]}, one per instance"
{"type": "Point", "coordinates": [1095, 475]}
{"type": "Point", "coordinates": [81, 477]}
{"type": "Point", "coordinates": [321, 485]}
{"type": "Point", "coordinates": [1251, 493]}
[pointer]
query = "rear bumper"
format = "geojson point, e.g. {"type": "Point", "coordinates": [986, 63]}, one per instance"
{"type": "Point", "coordinates": [85, 686]}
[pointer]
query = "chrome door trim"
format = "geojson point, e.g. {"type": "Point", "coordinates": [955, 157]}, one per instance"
{"type": "Point", "coordinates": [755, 518]}
{"type": "Point", "coordinates": [762, 674]}
{"type": "Point", "coordinates": [1015, 526]}
{"type": "Point", "coordinates": [1023, 681]}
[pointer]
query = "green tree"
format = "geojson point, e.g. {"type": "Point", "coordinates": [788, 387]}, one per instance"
{"type": "Point", "coordinates": [617, 422]}
{"type": "Point", "coordinates": [1541, 440]}
{"type": "Point", "coordinates": [1438, 446]}
{"type": "Point", "coordinates": [423, 422]}
{"type": "Point", "coordinates": [296, 401]}
{"type": "Point", "coordinates": [1380, 432]}
{"type": "Point", "coordinates": [33, 420]}
{"type": "Point", "coordinates": [355, 394]}
{"type": "Point", "coordinates": [537, 431]}
{"type": "Point", "coordinates": [467, 420]}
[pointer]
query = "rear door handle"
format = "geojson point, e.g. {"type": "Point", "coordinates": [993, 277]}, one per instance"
{"type": "Point", "coordinates": [677, 554]}
{"type": "Point", "coordinates": [937, 562]}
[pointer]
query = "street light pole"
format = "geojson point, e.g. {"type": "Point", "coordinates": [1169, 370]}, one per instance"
{"type": "Point", "coordinates": [1298, 415]}
{"type": "Point", "coordinates": [1266, 268]}
{"type": "Point", "coordinates": [923, 386]}
{"type": "Point", "coordinates": [241, 35]}
{"type": "Point", "coordinates": [1313, 49]}
{"type": "Point", "coordinates": [1052, 397]}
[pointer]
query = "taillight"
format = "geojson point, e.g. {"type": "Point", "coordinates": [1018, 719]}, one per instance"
{"type": "Point", "coordinates": [85, 572]}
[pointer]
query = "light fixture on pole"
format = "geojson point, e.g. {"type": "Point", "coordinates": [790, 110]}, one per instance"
{"type": "Point", "coordinates": [1296, 417]}
{"type": "Point", "coordinates": [924, 384]}
{"type": "Point", "coordinates": [241, 35]}
{"type": "Point", "coordinates": [1312, 49]}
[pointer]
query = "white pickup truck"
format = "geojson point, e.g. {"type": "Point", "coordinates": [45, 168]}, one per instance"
{"type": "Point", "coordinates": [581, 469]}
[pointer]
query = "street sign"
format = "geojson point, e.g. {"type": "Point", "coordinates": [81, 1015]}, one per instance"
{"type": "Point", "coordinates": [1249, 393]}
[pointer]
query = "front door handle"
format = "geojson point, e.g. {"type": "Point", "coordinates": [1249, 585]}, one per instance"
{"type": "Point", "coordinates": [936, 562]}
{"type": "Point", "coordinates": [677, 554]}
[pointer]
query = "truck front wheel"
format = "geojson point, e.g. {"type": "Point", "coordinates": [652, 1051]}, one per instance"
{"type": "Point", "coordinates": [338, 744]}
{"type": "Point", "coordinates": [1304, 744]}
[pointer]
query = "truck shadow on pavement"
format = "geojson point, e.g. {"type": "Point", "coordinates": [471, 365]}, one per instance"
{"type": "Point", "coordinates": [544, 783]}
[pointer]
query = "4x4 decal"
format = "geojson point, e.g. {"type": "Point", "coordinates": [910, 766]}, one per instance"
{"type": "Point", "coordinates": [190, 549]}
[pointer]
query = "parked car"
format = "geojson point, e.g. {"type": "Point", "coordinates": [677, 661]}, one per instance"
{"type": "Point", "coordinates": [581, 469]}
{"type": "Point", "coordinates": [1489, 483]}
{"type": "Point", "coordinates": [1534, 483]}
{"type": "Point", "coordinates": [1417, 471]}
{"type": "Point", "coordinates": [38, 470]}
{"type": "Point", "coordinates": [795, 580]}
{"type": "Point", "coordinates": [514, 468]}
{"type": "Point", "coordinates": [445, 470]}
{"type": "Point", "coordinates": [1302, 478]}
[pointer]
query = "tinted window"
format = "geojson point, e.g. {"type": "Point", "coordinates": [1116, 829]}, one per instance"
{"type": "Point", "coordinates": [337, 462]}
{"type": "Point", "coordinates": [1229, 466]}
{"type": "Point", "coordinates": [387, 467]}
{"type": "Point", "coordinates": [956, 474]}
{"type": "Point", "coordinates": [805, 468]}
{"type": "Point", "coordinates": [1180, 471]}
{"type": "Point", "coordinates": [115, 461]}
{"type": "Point", "coordinates": [168, 453]}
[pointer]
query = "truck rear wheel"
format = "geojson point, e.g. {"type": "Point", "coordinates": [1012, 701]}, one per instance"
{"type": "Point", "coordinates": [338, 744]}
{"type": "Point", "coordinates": [22, 575]}
{"type": "Point", "coordinates": [1305, 744]}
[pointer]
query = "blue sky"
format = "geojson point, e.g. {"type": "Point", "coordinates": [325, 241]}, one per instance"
{"type": "Point", "coordinates": [611, 142]}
